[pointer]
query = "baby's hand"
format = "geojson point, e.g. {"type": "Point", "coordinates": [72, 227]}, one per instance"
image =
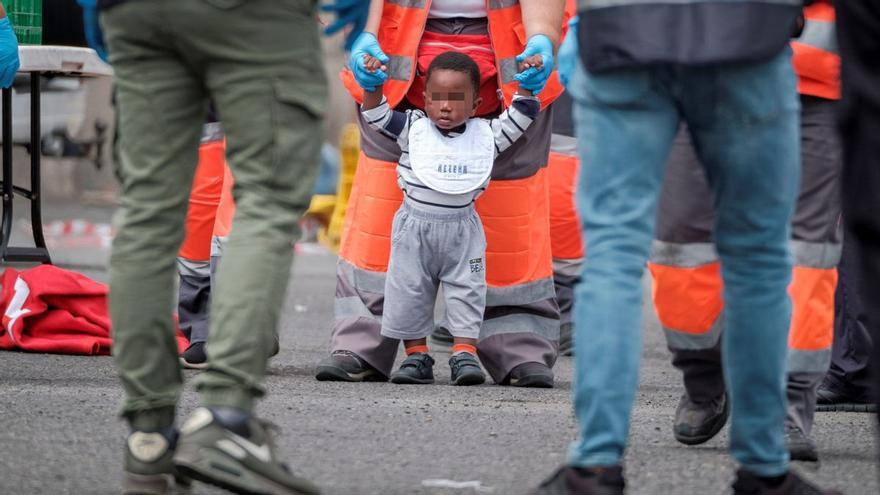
{"type": "Point", "coordinates": [372, 64]}
{"type": "Point", "coordinates": [536, 61]}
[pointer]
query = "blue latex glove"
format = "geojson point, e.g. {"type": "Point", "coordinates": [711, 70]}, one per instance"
{"type": "Point", "coordinates": [94, 34]}
{"type": "Point", "coordinates": [367, 44]}
{"type": "Point", "coordinates": [9, 62]}
{"type": "Point", "coordinates": [568, 53]}
{"type": "Point", "coordinates": [352, 13]}
{"type": "Point", "coordinates": [534, 79]}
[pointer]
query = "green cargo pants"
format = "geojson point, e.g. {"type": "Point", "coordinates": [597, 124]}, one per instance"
{"type": "Point", "coordinates": [260, 62]}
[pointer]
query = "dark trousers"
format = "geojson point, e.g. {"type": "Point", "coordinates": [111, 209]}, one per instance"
{"type": "Point", "coordinates": [850, 373]}
{"type": "Point", "coordinates": [859, 39]}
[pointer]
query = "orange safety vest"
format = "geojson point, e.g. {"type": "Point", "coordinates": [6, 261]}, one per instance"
{"type": "Point", "coordinates": [816, 60]}
{"type": "Point", "coordinates": [403, 23]}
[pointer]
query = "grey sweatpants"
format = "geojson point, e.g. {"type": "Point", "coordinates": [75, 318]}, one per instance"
{"type": "Point", "coordinates": [429, 248]}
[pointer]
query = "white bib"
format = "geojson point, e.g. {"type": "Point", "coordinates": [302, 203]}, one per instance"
{"type": "Point", "coordinates": [452, 165]}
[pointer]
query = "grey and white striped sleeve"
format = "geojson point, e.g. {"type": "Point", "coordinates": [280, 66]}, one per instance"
{"type": "Point", "coordinates": [514, 120]}
{"type": "Point", "coordinates": [391, 123]}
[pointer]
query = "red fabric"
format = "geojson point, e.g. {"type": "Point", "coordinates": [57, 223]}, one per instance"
{"type": "Point", "coordinates": [479, 47]}
{"type": "Point", "coordinates": [48, 309]}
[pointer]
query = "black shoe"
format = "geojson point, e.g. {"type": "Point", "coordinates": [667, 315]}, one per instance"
{"type": "Point", "coordinates": [698, 422]}
{"type": "Point", "coordinates": [346, 366]}
{"type": "Point", "coordinates": [749, 484]}
{"type": "Point", "coordinates": [416, 369]}
{"type": "Point", "coordinates": [800, 446]}
{"type": "Point", "coordinates": [441, 336]}
{"type": "Point", "coordinates": [466, 369]}
{"type": "Point", "coordinates": [531, 375]}
{"type": "Point", "coordinates": [569, 480]}
{"type": "Point", "coordinates": [194, 357]}
{"type": "Point", "coordinates": [829, 400]}
{"type": "Point", "coordinates": [566, 339]}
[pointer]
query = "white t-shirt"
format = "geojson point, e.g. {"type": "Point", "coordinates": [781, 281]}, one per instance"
{"type": "Point", "coordinates": [446, 9]}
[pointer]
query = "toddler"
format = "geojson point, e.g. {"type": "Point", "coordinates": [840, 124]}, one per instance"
{"type": "Point", "coordinates": [437, 238]}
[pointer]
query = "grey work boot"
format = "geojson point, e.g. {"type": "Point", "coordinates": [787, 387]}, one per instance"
{"type": "Point", "coordinates": [569, 480]}
{"type": "Point", "coordinates": [149, 469]}
{"type": "Point", "coordinates": [346, 366]}
{"type": "Point", "coordinates": [530, 375]}
{"type": "Point", "coordinates": [416, 369]}
{"type": "Point", "coordinates": [800, 446]}
{"type": "Point", "coordinates": [698, 422]}
{"type": "Point", "coordinates": [790, 484]}
{"type": "Point", "coordinates": [241, 460]}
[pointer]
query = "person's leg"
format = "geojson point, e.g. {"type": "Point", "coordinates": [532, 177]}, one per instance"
{"type": "Point", "coordinates": [816, 249]}
{"type": "Point", "coordinates": [194, 257]}
{"type": "Point", "coordinates": [848, 386]}
{"type": "Point", "coordinates": [520, 333]}
{"type": "Point", "coordinates": [687, 293]}
{"type": "Point", "coordinates": [859, 39]}
{"type": "Point", "coordinates": [566, 243]}
{"type": "Point", "coordinates": [271, 111]}
{"type": "Point", "coordinates": [359, 352]}
{"type": "Point", "coordinates": [744, 121]}
{"type": "Point", "coordinates": [158, 146]}
{"type": "Point", "coordinates": [463, 276]}
{"type": "Point", "coordinates": [625, 125]}
{"type": "Point", "coordinates": [159, 139]}
{"type": "Point", "coordinates": [411, 291]}
{"type": "Point", "coordinates": [269, 91]}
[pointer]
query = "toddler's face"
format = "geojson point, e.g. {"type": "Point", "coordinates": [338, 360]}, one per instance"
{"type": "Point", "coordinates": [450, 99]}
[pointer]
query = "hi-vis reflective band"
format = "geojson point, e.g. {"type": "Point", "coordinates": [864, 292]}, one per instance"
{"type": "Point", "coordinates": [399, 68]}
{"type": "Point", "coordinates": [410, 4]}
{"type": "Point", "coordinates": [809, 361]}
{"type": "Point", "coordinates": [819, 34]}
{"type": "Point", "coordinates": [694, 341]}
{"type": "Point", "coordinates": [824, 255]}
{"type": "Point", "coordinates": [600, 4]}
{"type": "Point", "coordinates": [452, 165]}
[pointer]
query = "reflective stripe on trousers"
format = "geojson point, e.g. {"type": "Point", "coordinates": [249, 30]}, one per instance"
{"type": "Point", "coordinates": [687, 280]}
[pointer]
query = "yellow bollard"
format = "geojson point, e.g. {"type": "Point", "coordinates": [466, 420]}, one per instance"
{"type": "Point", "coordinates": [349, 149]}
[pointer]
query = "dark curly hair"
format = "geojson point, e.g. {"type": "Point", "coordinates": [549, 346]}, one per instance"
{"type": "Point", "coordinates": [458, 62]}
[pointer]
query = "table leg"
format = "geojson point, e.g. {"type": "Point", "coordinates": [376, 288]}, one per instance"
{"type": "Point", "coordinates": [36, 152]}
{"type": "Point", "coordinates": [6, 222]}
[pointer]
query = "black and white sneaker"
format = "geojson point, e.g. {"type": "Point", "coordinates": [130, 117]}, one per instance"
{"type": "Point", "coordinates": [416, 369]}
{"type": "Point", "coordinates": [346, 366]}
{"type": "Point", "coordinates": [465, 369]}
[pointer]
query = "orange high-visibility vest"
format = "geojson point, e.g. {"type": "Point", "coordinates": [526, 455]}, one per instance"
{"type": "Point", "coordinates": [403, 23]}
{"type": "Point", "coordinates": [816, 60]}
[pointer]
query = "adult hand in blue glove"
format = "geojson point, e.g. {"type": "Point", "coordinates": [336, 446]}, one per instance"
{"type": "Point", "coordinates": [352, 13]}
{"type": "Point", "coordinates": [535, 78]}
{"type": "Point", "coordinates": [568, 53]}
{"type": "Point", "coordinates": [367, 44]}
{"type": "Point", "coordinates": [9, 62]}
{"type": "Point", "coordinates": [94, 34]}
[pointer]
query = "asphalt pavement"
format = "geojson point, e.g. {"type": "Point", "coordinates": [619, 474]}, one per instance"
{"type": "Point", "coordinates": [60, 432]}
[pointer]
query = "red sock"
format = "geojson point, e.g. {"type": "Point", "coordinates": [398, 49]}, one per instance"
{"type": "Point", "coordinates": [416, 349]}
{"type": "Point", "coordinates": [470, 349]}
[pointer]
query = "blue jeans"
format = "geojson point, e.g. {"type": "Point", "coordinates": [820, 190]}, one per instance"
{"type": "Point", "coordinates": [744, 122]}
